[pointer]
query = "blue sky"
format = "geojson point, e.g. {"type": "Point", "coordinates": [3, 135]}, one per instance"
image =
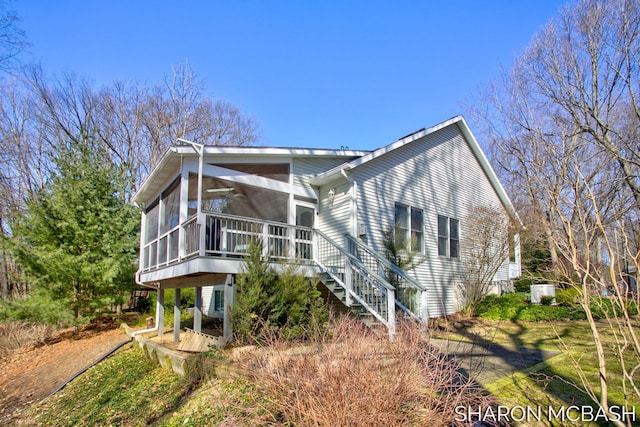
{"type": "Point", "coordinates": [313, 73]}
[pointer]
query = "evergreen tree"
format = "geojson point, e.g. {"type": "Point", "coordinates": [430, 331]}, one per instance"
{"type": "Point", "coordinates": [77, 237]}
{"type": "Point", "coordinates": [295, 303]}
{"type": "Point", "coordinates": [286, 303]}
{"type": "Point", "coordinates": [250, 310]}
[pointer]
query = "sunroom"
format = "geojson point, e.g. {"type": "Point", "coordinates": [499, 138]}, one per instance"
{"type": "Point", "coordinates": [199, 216]}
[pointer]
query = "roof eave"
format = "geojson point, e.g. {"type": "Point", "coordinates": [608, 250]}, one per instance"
{"type": "Point", "coordinates": [137, 198]}
{"type": "Point", "coordinates": [488, 169]}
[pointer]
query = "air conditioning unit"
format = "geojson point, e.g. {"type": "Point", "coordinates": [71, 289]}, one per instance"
{"type": "Point", "coordinates": [543, 289]}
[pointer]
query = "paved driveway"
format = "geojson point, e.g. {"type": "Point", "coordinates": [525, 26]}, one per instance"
{"type": "Point", "coordinates": [491, 362]}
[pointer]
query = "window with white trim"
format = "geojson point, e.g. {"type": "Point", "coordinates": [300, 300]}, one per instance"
{"type": "Point", "coordinates": [448, 237]}
{"type": "Point", "coordinates": [409, 221]}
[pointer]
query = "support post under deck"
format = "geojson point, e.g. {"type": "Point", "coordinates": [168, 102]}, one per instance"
{"type": "Point", "coordinates": [197, 313]}
{"type": "Point", "coordinates": [176, 316]}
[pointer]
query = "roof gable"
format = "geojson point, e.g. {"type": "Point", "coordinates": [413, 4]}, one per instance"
{"type": "Point", "coordinates": [469, 138]}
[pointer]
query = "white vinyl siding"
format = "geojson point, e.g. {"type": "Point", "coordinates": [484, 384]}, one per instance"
{"type": "Point", "coordinates": [335, 219]}
{"type": "Point", "coordinates": [440, 174]}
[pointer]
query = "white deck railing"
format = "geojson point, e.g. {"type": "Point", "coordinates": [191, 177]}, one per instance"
{"type": "Point", "coordinates": [228, 236]}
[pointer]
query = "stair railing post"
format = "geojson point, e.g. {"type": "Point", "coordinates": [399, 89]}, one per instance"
{"type": "Point", "coordinates": [315, 247]}
{"type": "Point", "coordinates": [424, 310]}
{"type": "Point", "coordinates": [391, 313]}
{"type": "Point", "coordinates": [348, 283]}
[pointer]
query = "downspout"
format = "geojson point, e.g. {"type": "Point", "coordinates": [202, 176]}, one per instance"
{"type": "Point", "coordinates": [347, 277]}
{"type": "Point", "coordinates": [354, 203]}
{"type": "Point", "coordinates": [157, 323]}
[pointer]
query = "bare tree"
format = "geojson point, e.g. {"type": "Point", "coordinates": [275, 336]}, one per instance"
{"type": "Point", "coordinates": [135, 123]}
{"type": "Point", "coordinates": [43, 117]}
{"type": "Point", "coordinates": [484, 250]}
{"type": "Point", "coordinates": [564, 122]}
{"type": "Point", "coordinates": [12, 37]}
{"type": "Point", "coordinates": [178, 108]}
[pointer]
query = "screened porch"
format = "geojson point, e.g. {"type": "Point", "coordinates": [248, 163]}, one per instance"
{"type": "Point", "coordinates": [203, 224]}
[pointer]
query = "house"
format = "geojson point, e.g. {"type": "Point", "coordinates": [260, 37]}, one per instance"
{"type": "Point", "coordinates": [328, 209]}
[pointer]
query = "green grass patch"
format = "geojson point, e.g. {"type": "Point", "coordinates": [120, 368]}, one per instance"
{"type": "Point", "coordinates": [130, 389]}
{"type": "Point", "coordinates": [554, 382]}
{"type": "Point", "coordinates": [223, 402]}
{"type": "Point", "coordinates": [516, 306]}
{"type": "Point", "coordinates": [126, 389]}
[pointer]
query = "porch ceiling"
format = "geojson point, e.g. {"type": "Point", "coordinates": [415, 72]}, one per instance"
{"type": "Point", "coordinates": [169, 165]}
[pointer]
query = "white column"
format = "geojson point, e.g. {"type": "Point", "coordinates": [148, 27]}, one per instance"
{"type": "Point", "coordinates": [176, 316]}
{"type": "Point", "coordinates": [160, 311]}
{"type": "Point", "coordinates": [391, 313]}
{"type": "Point", "coordinates": [227, 327]}
{"type": "Point", "coordinates": [197, 313]}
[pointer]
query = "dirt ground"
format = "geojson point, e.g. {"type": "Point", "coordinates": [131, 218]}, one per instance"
{"type": "Point", "coordinates": [31, 373]}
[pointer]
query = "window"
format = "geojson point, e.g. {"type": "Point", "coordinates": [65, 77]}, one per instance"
{"type": "Point", "coordinates": [171, 207]}
{"type": "Point", "coordinates": [218, 300]}
{"type": "Point", "coordinates": [409, 223]}
{"type": "Point", "coordinates": [402, 220]}
{"type": "Point", "coordinates": [448, 237]}
{"type": "Point", "coordinates": [151, 220]}
{"type": "Point", "coordinates": [417, 230]}
{"type": "Point", "coordinates": [454, 238]}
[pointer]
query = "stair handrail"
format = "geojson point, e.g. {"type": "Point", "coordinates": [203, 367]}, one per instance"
{"type": "Point", "coordinates": [385, 262]}
{"type": "Point", "coordinates": [356, 261]}
{"type": "Point", "coordinates": [421, 315]}
{"type": "Point", "coordinates": [379, 281]}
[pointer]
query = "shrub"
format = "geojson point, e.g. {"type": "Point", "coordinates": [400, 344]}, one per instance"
{"type": "Point", "coordinates": [546, 300]}
{"type": "Point", "coordinates": [16, 334]}
{"type": "Point", "coordinates": [523, 284]}
{"type": "Point", "coordinates": [602, 308]}
{"type": "Point", "coordinates": [515, 306]}
{"type": "Point", "coordinates": [503, 307]}
{"type": "Point", "coordinates": [569, 297]}
{"type": "Point", "coordinates": [354, 377]}
{"type": "Point", "coordinates": [287, 304]}
{"type": "Point", "coordinates": [143, 305]}
{"type": "Point", "coordinates": [538, 313]}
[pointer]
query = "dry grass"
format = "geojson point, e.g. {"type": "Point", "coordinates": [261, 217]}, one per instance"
{"type": "Point", "coordinates": [353, 377]}
{"type": "Point", "coordinates": [14, 335]}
